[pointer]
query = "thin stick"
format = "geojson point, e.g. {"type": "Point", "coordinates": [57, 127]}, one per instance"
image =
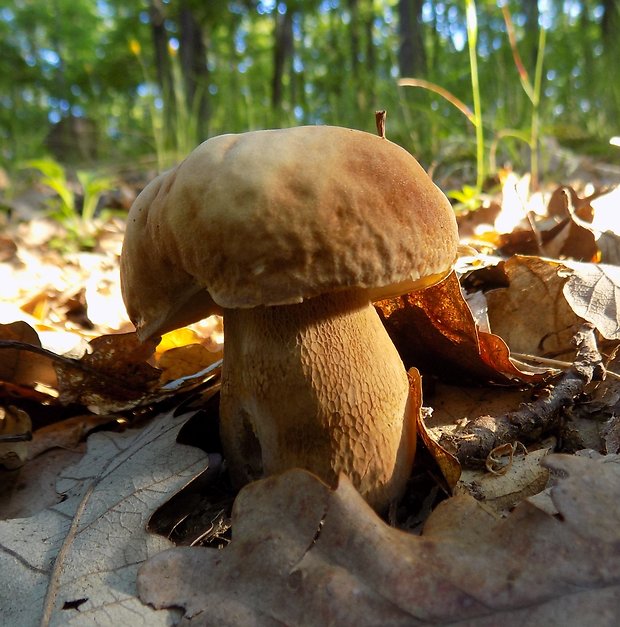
{"type": "Point", "coordinates": [473, 444]}
{"type": "Point", "coordinates": [545, 361]}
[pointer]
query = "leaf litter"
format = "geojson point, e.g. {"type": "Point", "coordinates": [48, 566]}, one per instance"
{"type": "Point", "coordinates": [301, 552]}
{"type": "Point", "coordinates": [88, 547]}
{"type": "Point", "coordinates": [75, 368]}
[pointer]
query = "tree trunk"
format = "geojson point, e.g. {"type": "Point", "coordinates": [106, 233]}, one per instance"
{"type": "Point", "coordinates": [282, 54]}
{"type": "Point", "coordinates": [193, 57]}
{"type": "Point", "coordinates": [371, 55]}
{"type": "Point", "coordinates": [160, 46]}
{"type": "Point", "coordinates": [354, 35]}
{"type": "Point", "coordinates": [610, 25]}
{"type": "Point", "coordinates": [411, 53]}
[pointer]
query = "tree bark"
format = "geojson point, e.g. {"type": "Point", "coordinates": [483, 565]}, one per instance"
{"type": "Point", "coordinates": [193, 56]}
{"type": "Point", "coordinates": [282, 54]}
{"type": "Point", "coordinates": [354, 36]}
{"type": "Point", "coordinates": [160, 46]}
{"type": "Point", "coordinates": [411, 53]}
{"type": "Point", "coordinates": [610, 25]}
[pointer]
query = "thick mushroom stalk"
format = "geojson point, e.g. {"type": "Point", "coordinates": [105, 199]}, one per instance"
{"type": "Point", "coordinates": [317, 385]}
{"type": "Point", "coordinates": [291, 232]}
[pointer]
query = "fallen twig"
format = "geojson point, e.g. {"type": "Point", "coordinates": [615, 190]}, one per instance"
{"type": "Point", "coordinates": [475, 441]}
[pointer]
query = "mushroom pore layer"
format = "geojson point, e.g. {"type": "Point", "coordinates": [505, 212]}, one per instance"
{"type": "Point", "coordinates": [317, 385]}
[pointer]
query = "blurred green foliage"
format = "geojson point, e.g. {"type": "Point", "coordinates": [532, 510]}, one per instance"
{"type": "Point", "coordinates": [74, 205]}
{"type": "Point", "coordinates": [156, 77]}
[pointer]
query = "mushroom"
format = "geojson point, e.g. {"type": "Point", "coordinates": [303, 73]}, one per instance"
{"type": "Point", "coordinates": [291, 234]}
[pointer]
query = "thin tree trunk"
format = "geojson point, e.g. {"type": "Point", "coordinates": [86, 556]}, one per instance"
{"type": "Point", "coordinates": [411, 53]}
{"type": "Point", "coordinates": [282, 55]}
{"type": "Point", "coordinates": [157, 18]}
{"type": "Point", "coordinates": [610, 25]}
{"type": "Point", "coordinates": [193, 56]}
{"type": "Point", "coordinates": [354, 36]}
{"type": "Point", "coordinates": [371, 54]}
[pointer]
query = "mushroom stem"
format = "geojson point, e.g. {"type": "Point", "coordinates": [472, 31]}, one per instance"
{"type": "Point", "coordinates": [317, 385]}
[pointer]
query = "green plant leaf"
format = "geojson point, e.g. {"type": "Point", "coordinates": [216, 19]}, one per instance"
{"type": "Point", "coordinates": [55, 178]}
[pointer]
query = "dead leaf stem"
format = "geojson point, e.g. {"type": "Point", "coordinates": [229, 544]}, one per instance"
{"type": "Point", "coordinates": [60, 561]}
{"type": "Point", "coordinates": [473, 444]}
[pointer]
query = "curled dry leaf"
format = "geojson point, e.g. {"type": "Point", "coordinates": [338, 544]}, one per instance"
{"type": "Point", "coordinates": [531, 315]}
{"type": "Point", "coordinates": [15, 436]}
{"type": "Point", "coordinates": [593, 293]}
{"type": "Point", "coordinates": [522, 478]}
{"type": "Point", "coordinates": [568, 233]}
{"type": "Point", "coordinates": [434, 330]}
{"type": "Point", "coordinates": [448, 464]}
{"type": "Point", "coordinates": [302, 554]}
{"type": "Point", "coordinates": [18, 365]}
{"type": "Point", "coordinates": [573, 237]}
{"type": "Point", "coordinates": [112, 377]}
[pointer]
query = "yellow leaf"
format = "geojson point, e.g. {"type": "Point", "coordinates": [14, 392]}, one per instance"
{"type": "Point", "coordinates": [176, 338]}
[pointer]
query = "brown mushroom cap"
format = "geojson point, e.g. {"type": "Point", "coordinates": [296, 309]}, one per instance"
{"type": "Point", "coordinates": [276, 217]}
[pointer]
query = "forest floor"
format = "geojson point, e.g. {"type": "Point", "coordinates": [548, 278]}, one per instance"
{"type": "Point", "coordinates": [521, 411]}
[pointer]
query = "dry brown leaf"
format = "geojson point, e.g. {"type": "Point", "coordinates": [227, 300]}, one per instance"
{"type": "Point", "coordinates": [448, 464]}
{"type": "Point", "coordinates": [567, 235]}
{"type": "Point", "coordinates": [531, 315]}
{"type": "Point", "coordinates": [593, 293]}
{"type": "Point", "coordinates": [183, 361]}
{"type": "Point", "coordinates": [19, 365]}
{"type": "Point", "coordinates": [112, 377]}
{"type": "Point", "coordinates": [32, 488]}
{"type": "Point", "coordinates": [8, 248]}
{"type": "Point", "coordinates": [302, 554]}
{"type": "Point", "coordinates": [608, 244]}
{"type": "Point", "coordinates": [523, 477]}
{"type": "Point", "coordinates": [572, 237]}
{"type": "Point", "coordinates": [570, 240]}
{"type": "Point", "coordinates": [15, 436]}
{"type": "Point", "coordinates": [67, 434]}
{"type": "Point", "coordinates": [434, 330]}
{"type": "Point", "coordinates": [453, 404]}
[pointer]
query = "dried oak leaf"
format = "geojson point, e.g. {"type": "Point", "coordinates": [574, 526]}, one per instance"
{"type": "Point", "coordinates": [523, 476]}
{"type": "Point", "coordinates": [572, 237]}
{"type": "Point", "coordinates": [531, 315]}
{"type": "Point", "coordinates": [88, 546]}
{"type": "Point", "coordinates": [434, 330]}
{"type": "Point", "coordinates": [305, 555]}
{"type": "Point", "coordinates": [447, 463]}
{"type": "Point", "coordinates": [593, 293]}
